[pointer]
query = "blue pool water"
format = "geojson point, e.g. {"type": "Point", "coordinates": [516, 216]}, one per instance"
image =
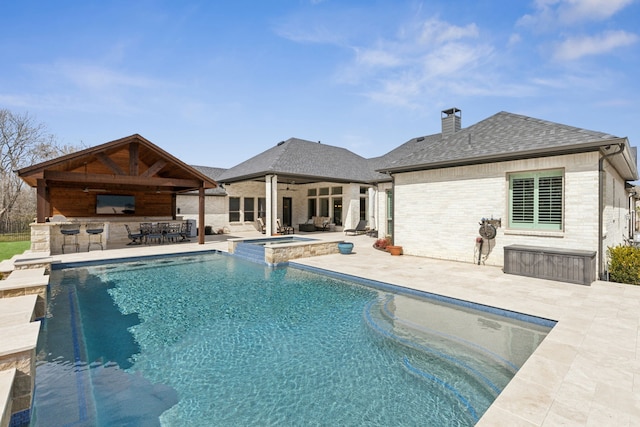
{"type": "Point", "coordinates": [213, 340]}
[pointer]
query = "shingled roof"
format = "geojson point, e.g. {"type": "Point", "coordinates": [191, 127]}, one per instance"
{"type": "Point", "coordinates": [212, 173]}
{"type": "Point", "coordinates": [503, 136]}
{"type": "Point", "coordinates": [305, 161]}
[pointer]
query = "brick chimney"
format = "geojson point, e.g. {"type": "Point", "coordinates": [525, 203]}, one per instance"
{"type": "Point", "coordinates": [451, 121]}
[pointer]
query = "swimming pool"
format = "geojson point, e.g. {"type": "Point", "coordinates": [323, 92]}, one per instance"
{"type": "Point", "coordinates": [215, 340]}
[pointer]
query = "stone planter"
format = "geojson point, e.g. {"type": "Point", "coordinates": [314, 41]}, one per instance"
{"type": "Point", "coordinates": [394, 250]}
{"type": "Point", "coordinates": [345, 248]}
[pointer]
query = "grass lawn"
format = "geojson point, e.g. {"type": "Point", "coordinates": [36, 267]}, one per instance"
{"type": "Point", "coordinates": [9, 249]}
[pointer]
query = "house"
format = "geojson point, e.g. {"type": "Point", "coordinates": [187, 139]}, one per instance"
{"type": "Point", "coordinates": [295, 181]}
{"type": "Point", "coordinates": [543, 185]}
{"type": "Point", "coordinates": [535, 183]}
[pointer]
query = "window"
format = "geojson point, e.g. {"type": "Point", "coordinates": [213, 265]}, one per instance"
{"type": "Point", "coordinates": [311, 208]}
{"type": "Point", "coordinates": [324, 191]}
{"type": "Point", "coordinates": [262, 207]}
{"type": "Point", "coordinates": [248, 209]}
{"type": "Point", "coordinates": [337, 211]}
{"type": "Point", "coordinates": [535, 200]}
{"type": "Point", "coordinates": [234, 209]}
{"type": "Point", "coordinates": [311, 192]}
{"type": "Point", "coordinates": [363, 190]}
{"type": "Point", "coordinates": [363, 208]}
{"type": "Point", "coordinates": [336, 190]}
{"type": "Point", "coordinates": [324, 206]}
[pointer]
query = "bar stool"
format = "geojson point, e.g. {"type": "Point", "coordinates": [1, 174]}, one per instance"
{"type": "Point", "coordinates": [94, 230]}
{"type": "Point", "coordinates": [70, 235]}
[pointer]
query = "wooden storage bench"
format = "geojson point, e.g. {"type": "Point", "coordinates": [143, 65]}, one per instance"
{"type": "Point", "coordinates": [564, 265]}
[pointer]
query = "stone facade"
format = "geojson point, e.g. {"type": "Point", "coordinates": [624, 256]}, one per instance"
{"type": "Point", "coordinates": [279, 255]}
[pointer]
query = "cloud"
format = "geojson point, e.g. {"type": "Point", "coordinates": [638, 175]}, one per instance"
{"type": "Point", "coordinates": [79, 86]}
{"type": "Point", "coordinates": [436, 31]}
{"type": "Point", "coordinates": [377, 58]}
{"type": "Point", "coordinates": [574, 48]}
{"type": "Point", "coordinates": [100, 78]}
{"type": "Point", "coordinates": [549, 14]}
{"type": "Point", "coordinates": [421, 59]}
{"type": "Point", "coordinates": [590, 10]}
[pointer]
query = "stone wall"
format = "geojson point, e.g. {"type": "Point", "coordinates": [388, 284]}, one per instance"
{"type": "Point", "coordinates": [277, 255]}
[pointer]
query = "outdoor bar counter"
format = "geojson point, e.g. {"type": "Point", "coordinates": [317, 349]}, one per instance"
{"type": "Point", "coordinates": [49, 237]}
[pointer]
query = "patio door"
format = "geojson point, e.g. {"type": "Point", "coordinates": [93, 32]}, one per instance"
{"type": "Point", "coordinates": [287, 209]}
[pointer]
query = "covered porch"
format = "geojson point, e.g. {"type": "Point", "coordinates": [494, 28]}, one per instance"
{"type": "Point", "coordinates": [103, 188]}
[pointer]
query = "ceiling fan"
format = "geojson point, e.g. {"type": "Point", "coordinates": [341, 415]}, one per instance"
{"type": "Point", "coordinates": [291, 189]}
{"type": "Point", "coordinates": [93, 190]}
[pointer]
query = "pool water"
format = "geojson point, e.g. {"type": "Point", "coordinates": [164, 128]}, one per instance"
{"type": "Point", "coordinates": [214, 340]}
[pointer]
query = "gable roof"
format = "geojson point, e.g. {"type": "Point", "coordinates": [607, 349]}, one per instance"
{"type": "Point", "coordinates": [305, 161]}
{"type": "Point", "coordinates": [132, 162]}
{"type": "Point", "coordinates": [503, 136]}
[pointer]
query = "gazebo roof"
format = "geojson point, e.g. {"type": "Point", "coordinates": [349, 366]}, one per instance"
{"type": "Point", "coordinates": [130, 163]}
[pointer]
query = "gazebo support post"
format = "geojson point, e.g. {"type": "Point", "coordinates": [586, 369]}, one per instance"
{"type": "Point", "coordinates": [201, 214]}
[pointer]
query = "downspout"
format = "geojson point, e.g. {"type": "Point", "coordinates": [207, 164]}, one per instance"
{"type": "Point", "coordinates": [393, 209]}
{"type": "Point", "coordinates": [601, 207]}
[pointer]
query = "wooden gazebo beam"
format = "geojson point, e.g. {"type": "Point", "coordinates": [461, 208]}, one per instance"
{"type": "Point", "coordinates": [81, 178]}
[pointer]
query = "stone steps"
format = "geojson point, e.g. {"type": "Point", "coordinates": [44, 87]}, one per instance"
{"type": "Point", "coordinates": [23, 298]}
{"type": "Point", "coordinates": [250, 252]}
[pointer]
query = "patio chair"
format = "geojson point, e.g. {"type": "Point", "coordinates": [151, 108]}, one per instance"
{"type": "Point", "coordinates": [136, 238]}
{"type": "Point", "coordinates": [286, 229]}
{"type": "Point", "coordinates": [95, 230]}
{"type": "Point", "coordinates": [185, 231]}
{"type": "Point", "coordinates": [172, 231]}
{"type": "Point", "coordinates": [326, 223]}
{"type": "Point", "coordinates": [70, 236]}
{"type": "Point", "coordinates": [263, 228]}
{"type": "Point", "coordinates": [153, 231]}
{"type": "Point", "coordinates": [361, 228]}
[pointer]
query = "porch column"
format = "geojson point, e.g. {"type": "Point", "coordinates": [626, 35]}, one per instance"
{"type": "Point", "coordinates": [42, 203]}
{"type": "Point", "coordinates": [372, 208]}
{"type": "Point", "coordinates": [274, 205]}
{"type": "Point", "coordinates": [268, 189]}
{"type": "Point", "coordinates": [201, 207]}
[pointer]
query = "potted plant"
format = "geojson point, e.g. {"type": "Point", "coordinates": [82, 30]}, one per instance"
{"type": "Point", "coordinates": [381, 244]}
{"type": "Point", "coordinates": [385, 244]}
{"type": "Point", "coordinates": [394, 250]}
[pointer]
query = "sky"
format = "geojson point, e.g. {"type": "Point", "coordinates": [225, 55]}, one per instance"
{"type": "Point", "coordinates": [217, 82]}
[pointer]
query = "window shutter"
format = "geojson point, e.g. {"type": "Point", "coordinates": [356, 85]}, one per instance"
{"type": "Point", "coordinates": [550, 200]}
{"type": "Point", "coordinates": [522, 200]}
{"type": "Point", "coordinates": [535, 200]}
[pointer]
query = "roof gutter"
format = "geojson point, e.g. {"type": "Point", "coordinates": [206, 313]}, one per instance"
{"type": "Point", "coordinates": [601, 182]}
{"type": "Point", "coordinates": [553, 151]}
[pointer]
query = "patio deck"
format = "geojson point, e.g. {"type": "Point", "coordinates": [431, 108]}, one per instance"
{"type": "Point", "coordinates": [585, 373]}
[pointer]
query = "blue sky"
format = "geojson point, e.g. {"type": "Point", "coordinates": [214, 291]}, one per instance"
{"type": "Point", "coordinates": [215, 83]}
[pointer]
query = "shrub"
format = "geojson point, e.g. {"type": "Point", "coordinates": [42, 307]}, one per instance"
{"type": "Point", "coordinates": [624, 264]}
{"type": "Point", "coordinates": [382, 243]}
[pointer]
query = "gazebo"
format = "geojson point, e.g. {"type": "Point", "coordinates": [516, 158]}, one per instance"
{"type": "Point", "coordinates": [87, 186]}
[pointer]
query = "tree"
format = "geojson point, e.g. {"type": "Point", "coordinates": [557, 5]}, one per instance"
{"type": "Point", "coordinates": [23, 142]}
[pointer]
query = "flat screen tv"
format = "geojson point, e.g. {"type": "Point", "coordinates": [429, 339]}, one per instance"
{"type": "Point", "coordinates": [115, 204]}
